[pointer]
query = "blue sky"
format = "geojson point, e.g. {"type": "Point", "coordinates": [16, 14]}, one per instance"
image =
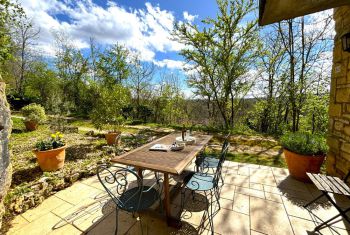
{"type": "Point", "coordinates": [143, 26]}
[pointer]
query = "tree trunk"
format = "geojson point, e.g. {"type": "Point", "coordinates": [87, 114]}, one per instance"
{"type": "Point", "coordinates": [5, 165]}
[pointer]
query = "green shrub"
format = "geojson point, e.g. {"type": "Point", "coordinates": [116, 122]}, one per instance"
{"type": "Point", "coordinates": [305, 143]}
{"type": "Point", "coordinates": [54, 142]}
{"type": "Point", "coordinates": [34, 112]}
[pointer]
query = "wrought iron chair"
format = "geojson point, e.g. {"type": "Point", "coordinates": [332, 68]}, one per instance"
{"type": "Point", "coordinates": [329, 184]}
{"type": "Point", "coordinates": [207, 183]}
{"type": "Point", "coordinates": [207, 163]}
{"type": "Point", "coordinates": [127, 191]}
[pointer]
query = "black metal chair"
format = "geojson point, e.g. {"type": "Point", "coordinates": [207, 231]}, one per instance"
{"type": "Point", "coordinates": [126, 189]}
{"type": "Point", "coordinates": [203, 182]}
{"type": "Point", "coordinates": [329, 184]}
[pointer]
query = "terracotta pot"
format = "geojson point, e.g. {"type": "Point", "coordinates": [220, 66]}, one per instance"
{"type": "Point", "coordinates": [31, 125]}
{"type": "Point", "coordinates": [51, 160]}
{"type": "Point", "coordinates": [299, 164]}
{"type": "Point", "coordinates": [111, 138]}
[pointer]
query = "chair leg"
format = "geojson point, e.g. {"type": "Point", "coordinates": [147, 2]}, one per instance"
{"type": "Point", "coordinates": [341, 212]}
{"type": "Point", "coordinates": [216, 193]}
{"type": "Point", "coordinates": [182, 206]}
{"type": "Point", "coordinates": [210, 215]}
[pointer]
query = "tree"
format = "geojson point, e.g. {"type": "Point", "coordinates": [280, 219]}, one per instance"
{"type": "Point", "coordinates": [140, 81]}
{"type": "Point", "coordinates": [72, 68]}
{"type": "Point", "coordinates": [113, 66]}
{"type": "Point", "coordinates": [43, 85]}
{"type": "Point", "coordinates": [9, 13]}
{"type": "Point", "coordinates": [25, 35]}
{"type": "Point", "coordinates": [223, 50]}
{"type": "Point", "coordinates": [108, 107]}
{"type": "Point", "coordinates": [304, 47]}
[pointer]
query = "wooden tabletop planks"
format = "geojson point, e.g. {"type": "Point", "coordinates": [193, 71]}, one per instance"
{"type": "Point", "coordinates": [173, 162]}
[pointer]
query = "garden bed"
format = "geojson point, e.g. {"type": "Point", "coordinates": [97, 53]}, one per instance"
{"type": "Point", "coordinates": [86, 149]}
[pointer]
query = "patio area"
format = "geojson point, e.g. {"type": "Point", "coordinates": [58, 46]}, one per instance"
{"type": "Point", "coordinates": [254, 200]}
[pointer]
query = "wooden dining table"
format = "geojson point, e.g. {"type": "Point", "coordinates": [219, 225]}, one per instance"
{"type": "Point", "coordinates": [168, 163]}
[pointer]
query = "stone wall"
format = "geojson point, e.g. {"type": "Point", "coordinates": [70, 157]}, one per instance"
{"type": "Point", "coordinates": [338, 159]}
{"type": "Point", "coordinates": [5, 130]}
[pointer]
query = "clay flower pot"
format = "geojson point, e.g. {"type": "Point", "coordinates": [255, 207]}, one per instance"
{"type": "Point", "coordinates": [112, 138]}
{"type": "Point", "coordinates": [51, 160]}
{"type": "Point", "coordinates": [31, 125]}
{"type": "Point", "coordinates": [299, 164]}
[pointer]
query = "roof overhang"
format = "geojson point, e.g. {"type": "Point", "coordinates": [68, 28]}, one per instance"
{"type": "Point", "coordinates": [272, 11]}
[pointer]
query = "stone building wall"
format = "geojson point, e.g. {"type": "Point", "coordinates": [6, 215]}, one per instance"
{"type": "Point", "coordinates": [338, 159]}
{"type": "Point", "coordinates": [5, 165]}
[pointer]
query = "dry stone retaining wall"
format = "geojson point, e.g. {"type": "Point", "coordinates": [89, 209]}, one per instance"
{"type": "Point", "coordinates": [5, 165]}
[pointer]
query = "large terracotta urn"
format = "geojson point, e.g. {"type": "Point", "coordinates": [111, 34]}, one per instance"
{"type": "Point", "coordinates": [299, 164]}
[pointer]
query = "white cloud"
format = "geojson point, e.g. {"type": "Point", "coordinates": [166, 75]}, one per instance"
{"type": "Point", "coordinates": [189, 17]}
{"type": "Point", "coordinates": [170, 64]}
{"type": "Point", "coordinates": [143, 30]}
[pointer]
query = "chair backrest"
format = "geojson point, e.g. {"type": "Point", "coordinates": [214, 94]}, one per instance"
{"type": "Point", "coordinates": [116, 180]}
{"type": "Point", "coordinates": [226, 142]}
{"type": "Point", "coordinates": [218, 171]}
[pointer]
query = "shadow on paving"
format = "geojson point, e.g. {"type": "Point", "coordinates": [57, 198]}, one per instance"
{"type": "Point", "coordinates": [314, 209]}
{"type": "Point", "coordinates": [101, 214]}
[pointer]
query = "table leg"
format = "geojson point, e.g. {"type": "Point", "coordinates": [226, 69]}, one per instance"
{"type": "Point", "coordinates": [172, 222]}
{"type": "Point", "coordinates": [139, 172]}
{"type": "Point", "coordinates": [166, 195]}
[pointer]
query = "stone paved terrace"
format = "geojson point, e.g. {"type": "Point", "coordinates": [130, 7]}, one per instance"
{"type": "Point", "coordinates": [255, 200]}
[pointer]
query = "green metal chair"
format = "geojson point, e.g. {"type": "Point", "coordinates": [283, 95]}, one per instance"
{"type": "Point", "coordinates": [126, 189]}
{"type": "Point", "coordinates": [207, 183]}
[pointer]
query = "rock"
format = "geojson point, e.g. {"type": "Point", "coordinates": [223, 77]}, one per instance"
{"type": "Point", "coordinates": [127, 149]}
{"type": "Point", "coordinates": [74, 177]}
{"type": "Point", "coordinates": [28, 196]}
{"type": "Point", "coordinates": [36, 187]}
{"type": "Point", "coordinates": [5, 131]}
{"type": "Point", "coordinates": [43, 179]}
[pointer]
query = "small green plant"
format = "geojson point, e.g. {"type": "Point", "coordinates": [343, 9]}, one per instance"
{"type": "Point", "coordinates": [305, 143]}
{"type": "Point", "coordinates": [34, 112]}
{"type": "Point", "coordinates": [55, 141]}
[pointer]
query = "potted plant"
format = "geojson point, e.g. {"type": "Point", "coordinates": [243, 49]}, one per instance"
{"type": "Point", "coordinates": [107, 112]}
{"type": "Point", "coordinates": [304, 152]}
{"type": "Point", "coordinates": [51, 153]}
{"type": "Point", "coordinates": [34, 115]}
